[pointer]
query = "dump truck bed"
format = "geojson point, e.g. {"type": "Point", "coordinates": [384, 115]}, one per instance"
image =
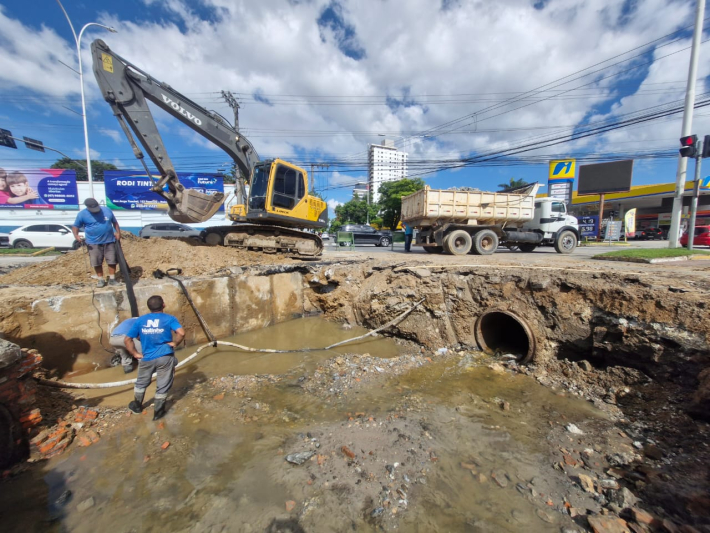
{"type": "Point", "coordinates": [425, 207]}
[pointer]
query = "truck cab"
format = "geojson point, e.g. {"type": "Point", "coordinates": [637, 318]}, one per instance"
{"type": "Point", "coordinates": [550, 217]}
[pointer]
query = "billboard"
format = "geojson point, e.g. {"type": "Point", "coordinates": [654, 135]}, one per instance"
{"type": "Point", "coordinates": [561, 179]}
{"type": "Point", "coordinates": [130, 189]}
{"type": "Point", "coordinates": [602, 178]}
{"type": "Point", "coordinates": [562, 169]}
{"type": "Point", "coordinates": [589, 226]}
{"type": "Point", "coordinates": [38, 189]}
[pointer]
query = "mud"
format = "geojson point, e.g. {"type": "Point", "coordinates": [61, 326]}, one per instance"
{"type": "Point", "coordinates": [608, 420]}
{"type": "Point", "coordinates": [144, 256]}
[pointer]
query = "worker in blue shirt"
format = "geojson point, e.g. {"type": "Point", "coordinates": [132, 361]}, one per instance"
{"type": "Point", "coordinates": [408, 234]}
{"type": "Point", "coordinates": [101, 231]}
{"type": "Point", "coordinates": [155, 331]}
{"type": "Point", "coordinates": [118, 341]}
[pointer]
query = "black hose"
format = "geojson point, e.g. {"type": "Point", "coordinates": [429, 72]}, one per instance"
{"type": "Point", "coordinates": [126, 272]}
{"type": "Point", "coordinates": [160, 274]}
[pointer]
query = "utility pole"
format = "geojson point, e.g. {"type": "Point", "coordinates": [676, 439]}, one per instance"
{"type": "Point", "coordinates": [673, 236]}
{"type": "Point", "coordinates": [313, 176]}
{"type": "Point", "coordinates": [696, 192]}
{"type": "Point", "coordinates": [232, 102]}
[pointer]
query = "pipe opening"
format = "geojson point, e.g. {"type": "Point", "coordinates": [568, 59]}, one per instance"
{"type": "Point", "coordinates": [500, 332]}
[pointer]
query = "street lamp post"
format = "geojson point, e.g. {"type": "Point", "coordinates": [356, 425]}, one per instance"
{"type": "Point", "coordinates": [77, 40]}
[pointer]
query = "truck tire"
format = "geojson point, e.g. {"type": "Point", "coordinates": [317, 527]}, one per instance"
{"type": "Point", "coordinates": [485, 242]}
{"type": "Point", "coordinates": [566, 242]}
{"type": "Point", "coordinates": [527, 247]}
{"type": "Point", "coordinates": [458, 242]}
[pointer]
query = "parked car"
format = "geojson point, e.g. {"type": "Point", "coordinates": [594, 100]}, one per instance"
{"type": "Point", "coordinates": [169, 229]}
{"type": "Point", "coordinates": [4, 240]}
{"type": "Point", "coordinates": [649, 233]}
{"type": "Point", "coordinates": [702, 237]}
{"type": "Point", "coordinates": [43, 236]}
{"type": "Point", "coordinates": [364, 234]}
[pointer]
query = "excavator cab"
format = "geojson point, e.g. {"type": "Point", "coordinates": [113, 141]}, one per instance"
{"type": "Point", "coordinates": [187, 205]}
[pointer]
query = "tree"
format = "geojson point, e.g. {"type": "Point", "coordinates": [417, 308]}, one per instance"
{"type": "Point", "coordinates": [514, 184]}
{"type": "Point", "coordinates": [391, 193]}
{"type": "Point", "coordinates": [356, 211]}
{"type": "Point", "coordinates": [97, 168]}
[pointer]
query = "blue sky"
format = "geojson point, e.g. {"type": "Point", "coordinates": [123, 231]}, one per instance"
{"type": "Point", "coordinates": [319, 80]}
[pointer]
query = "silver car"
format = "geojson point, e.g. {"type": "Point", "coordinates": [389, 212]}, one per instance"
{"type": "Point", "coordinates": [170, 230]}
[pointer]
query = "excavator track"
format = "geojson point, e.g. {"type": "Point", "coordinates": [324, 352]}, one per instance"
{"type": "Point", "coordinates": [267, 238]}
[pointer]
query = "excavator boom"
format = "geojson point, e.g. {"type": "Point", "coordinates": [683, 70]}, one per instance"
{"type": "Point", "coordinates": [127, 89]}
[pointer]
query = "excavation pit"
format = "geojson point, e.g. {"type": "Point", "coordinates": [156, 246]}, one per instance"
{"type": "Point", "coordinates": [465, 440]}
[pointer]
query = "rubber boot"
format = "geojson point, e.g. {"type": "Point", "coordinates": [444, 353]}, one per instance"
{"type": "Point", "coordinates": [137, 404]}
{"type": "Point", "coordinates": [159, 409]}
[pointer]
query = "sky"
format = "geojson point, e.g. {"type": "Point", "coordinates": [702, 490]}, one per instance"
{"type": "Point", "coordinates": [458, 84]}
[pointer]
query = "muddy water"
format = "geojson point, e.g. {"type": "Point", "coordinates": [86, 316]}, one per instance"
{"type": "Point", "coordinates": [442, 434]}
{"type": "Point", "coordinates": [312, 332]}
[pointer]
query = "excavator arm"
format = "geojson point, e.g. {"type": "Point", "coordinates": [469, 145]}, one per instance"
{"type": "Point", "coordinates": [127, 89]}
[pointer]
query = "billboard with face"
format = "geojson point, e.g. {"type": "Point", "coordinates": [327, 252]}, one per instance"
{"type": "Point", "coordinates": [38, 189]}
{"type": "Point", "coordinates": [127, 189]}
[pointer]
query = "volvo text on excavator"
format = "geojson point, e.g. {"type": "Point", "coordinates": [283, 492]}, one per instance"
{"type": "Point", "coordinates": [278, 203]}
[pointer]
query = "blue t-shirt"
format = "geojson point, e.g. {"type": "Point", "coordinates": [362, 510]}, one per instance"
{"type": "Point", "coordinates": [123, 328]}
{"type": "Point", "coordinates": [98, 226]}
{"type": "Point", "coordinates": [408, 230]}
{"type": "Point", "coordinates": [155, 332]}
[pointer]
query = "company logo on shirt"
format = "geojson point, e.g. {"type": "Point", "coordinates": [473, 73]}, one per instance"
{"type": "Point", "coordinates": [152, 326]}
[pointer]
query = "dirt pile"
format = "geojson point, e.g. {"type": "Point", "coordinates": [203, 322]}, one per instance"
{"type": "Point", "coordinates": [143, 257]}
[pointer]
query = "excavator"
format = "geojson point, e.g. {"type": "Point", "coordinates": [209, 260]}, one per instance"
{"type": "Point", "coordinates": [278, 211]}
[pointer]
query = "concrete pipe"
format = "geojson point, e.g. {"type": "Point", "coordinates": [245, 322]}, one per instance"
{"type": "Point", "coordinates": [500, 332]}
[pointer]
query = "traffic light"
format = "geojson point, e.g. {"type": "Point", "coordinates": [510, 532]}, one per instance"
{"type": "Point", "coordinates": [6, 139]}
{"type": "Point", "coordinates": [706, 146]}
{"type": "Point", "coordinates": [689, 146]}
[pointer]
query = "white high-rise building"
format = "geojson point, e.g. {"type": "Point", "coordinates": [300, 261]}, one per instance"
{"type": "Point", "coordinates": [385, 163]}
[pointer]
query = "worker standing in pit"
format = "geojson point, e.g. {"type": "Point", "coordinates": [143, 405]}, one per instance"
{"type": "Point", "coordinates": [102, 231]}
{"type": "Point", "coordinates": [408, 234]}
{"type": "Point", "coordinates": [118, 341]}
{"type": "Point", "coordinates": [155, 331]}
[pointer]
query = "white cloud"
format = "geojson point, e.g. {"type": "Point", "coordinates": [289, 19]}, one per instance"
{"type": "Point", "coordinates": [332, 204]}
{"type": "Point", "coordinates": [471, 55]}
{"type": "Point", "coordinates": [114, 135]}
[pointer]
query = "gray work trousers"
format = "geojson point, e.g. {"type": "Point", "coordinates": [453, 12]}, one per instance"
{"type": "Point", "coordinates": [165, 368]}
{"type": "Point", "coordinates": [118, 342]}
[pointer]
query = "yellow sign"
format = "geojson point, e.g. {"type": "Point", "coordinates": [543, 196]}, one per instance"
{"type": "Point", "coordinates": [107, 62]}
{"type": "Point", "coordinates": [630, 222]}
{"type": "Point", "coordinates": [562, 169]}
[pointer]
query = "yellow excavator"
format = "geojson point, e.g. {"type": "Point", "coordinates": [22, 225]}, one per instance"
{"type": "Point", "coordinates": [278, 212]}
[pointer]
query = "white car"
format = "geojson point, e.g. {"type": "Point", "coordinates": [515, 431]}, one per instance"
{"type": "Point", "coordinates": [43, 236]}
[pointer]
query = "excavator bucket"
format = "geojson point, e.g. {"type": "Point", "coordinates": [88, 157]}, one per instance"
{"type": "Point", "coordinates": [189, 205]}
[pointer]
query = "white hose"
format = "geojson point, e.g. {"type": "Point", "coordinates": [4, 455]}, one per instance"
{"type": "Point", "coordinates": [67, 385]}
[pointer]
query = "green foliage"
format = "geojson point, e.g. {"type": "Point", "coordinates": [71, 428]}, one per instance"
{"type": "Point", "coordinates": [335, 226]}
{"type": "Point", "coordinates": [514, 184]}
{"type": "Point", "coordinates": [356, 211]}
{"type": "Point", "coordinates": [391, 193]}
{"type": "Point", "coordinates": [79, 165]}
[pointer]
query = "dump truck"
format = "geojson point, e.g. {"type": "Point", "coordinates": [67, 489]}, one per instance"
{"type": "Point", "coordinates": [458, 221]}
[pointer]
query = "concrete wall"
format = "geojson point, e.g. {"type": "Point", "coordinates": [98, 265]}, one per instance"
{"type": "Point", "coordinates": [68, 332]}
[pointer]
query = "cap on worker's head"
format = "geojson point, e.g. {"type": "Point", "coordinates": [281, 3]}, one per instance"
{"type": "Point", "coordinates": [92, 205]}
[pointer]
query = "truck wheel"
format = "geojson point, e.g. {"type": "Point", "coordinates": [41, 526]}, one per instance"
{"type": "Point", "coordinates": [485, 242]}
{"type": "Point", "coordinates": [458, 242]}
{"type": "Point", "coordinates": [566, 242]}
{"type": "Point", "coordinates": [527, 247]}
{"type": "Point", "coordinates": [214, 239]}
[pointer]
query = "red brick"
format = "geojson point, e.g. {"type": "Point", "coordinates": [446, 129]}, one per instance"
{"type": "Point", "coordinates": [59, 448]}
